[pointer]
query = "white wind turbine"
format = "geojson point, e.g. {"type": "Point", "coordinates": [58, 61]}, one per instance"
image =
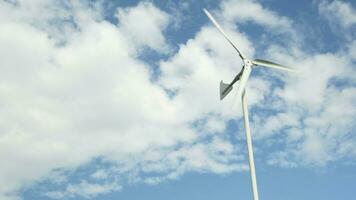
{"type": "Point", "coordinates": [242, 77]}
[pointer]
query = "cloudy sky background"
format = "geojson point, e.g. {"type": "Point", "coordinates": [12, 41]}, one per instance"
{"type": "Point", "coordinates": [119, 99]}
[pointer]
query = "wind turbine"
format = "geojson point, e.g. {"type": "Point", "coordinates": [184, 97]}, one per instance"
{"type": "Point", "coordinates": [242, 77]}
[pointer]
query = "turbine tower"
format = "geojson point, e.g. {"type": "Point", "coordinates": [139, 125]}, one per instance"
{"type": "Point", "coordinates": [242, 77]}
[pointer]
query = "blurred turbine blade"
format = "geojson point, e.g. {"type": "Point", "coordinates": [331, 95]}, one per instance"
{"type": "Point", "coordinates": [266, 63]}
{"type": "Point", "coordinates": [222, 32]}
{"type": "Point", "coordinates": [243, 81]}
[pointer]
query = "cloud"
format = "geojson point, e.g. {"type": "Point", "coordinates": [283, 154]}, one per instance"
{"type": "Point", "coordinates": [251, 11]}
{"type": "Point", "coordinates": [144, 23]}
{"type": "Point", "coordinates": [340, 12]}
{"type": "Point", "coordinates": [68, 99]}
{"type": "Point", "coordinates": [341, 18]}
{"type": "Point", "coordinates": [83, 189]}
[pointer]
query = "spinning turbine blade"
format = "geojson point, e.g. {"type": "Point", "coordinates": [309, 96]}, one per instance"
{"type": "Point", "coordinates": [266, 63]}
{"type": "Point", "coordinates": [242, 84]}
{"type": "Point", "coordinates": [222, 32]}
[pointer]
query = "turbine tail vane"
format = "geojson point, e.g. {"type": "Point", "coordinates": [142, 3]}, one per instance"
{"type": "Point", "coordinates": [225, 89]}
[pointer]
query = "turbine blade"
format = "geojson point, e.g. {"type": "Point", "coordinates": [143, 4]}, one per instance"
{"type": "Point", "coordinates": [266, 63]}
{"type": "Point", "coordinates": [243, 81]}
{"type": "Point", "coordinates": [223, 33]}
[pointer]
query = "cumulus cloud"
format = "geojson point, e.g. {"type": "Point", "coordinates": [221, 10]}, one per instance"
{"type": "Point", "coordinates": [252, 11]}
{"type": "Point", "coordinates": [145, 25]}
{"type": "Point", "coordinates": [340, 16]}
{"type": "Point", "coordinates": [340, 12]}
{"type": "Point", "coordinates": [67, 99]}
{"type": "Point", "coordinates": [84, 189]}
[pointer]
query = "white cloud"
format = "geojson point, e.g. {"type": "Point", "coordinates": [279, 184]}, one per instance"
{"type": "Point", "coordinates": [274, 124]}
{"type": "Point", "coordinates": [252, 11]}
{"type": "Point", "coordinates": [321, 98]}
{"type": "Point", "coordinates": [100, 174]}
{"type": "Point", "coordinates": [197, 68]}
{"type": "Point", "coordinates": [144, 24]}
{"type": "Point", "coordinates": [83, 189]}
{"type": "Point", "coordinates": [340, 12]}
{"type": "Point", "coordinates": [67, 99]}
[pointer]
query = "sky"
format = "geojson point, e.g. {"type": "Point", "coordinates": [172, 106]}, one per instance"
{"type": "Point", "coordinates": [120, 100]}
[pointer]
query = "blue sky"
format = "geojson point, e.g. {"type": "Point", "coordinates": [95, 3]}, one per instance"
{"type": "Point", "coordinates": [119, 100]}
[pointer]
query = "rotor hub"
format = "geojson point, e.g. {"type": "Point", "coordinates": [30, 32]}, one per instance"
{"type": "Point", "coordinates": [248, 62]}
